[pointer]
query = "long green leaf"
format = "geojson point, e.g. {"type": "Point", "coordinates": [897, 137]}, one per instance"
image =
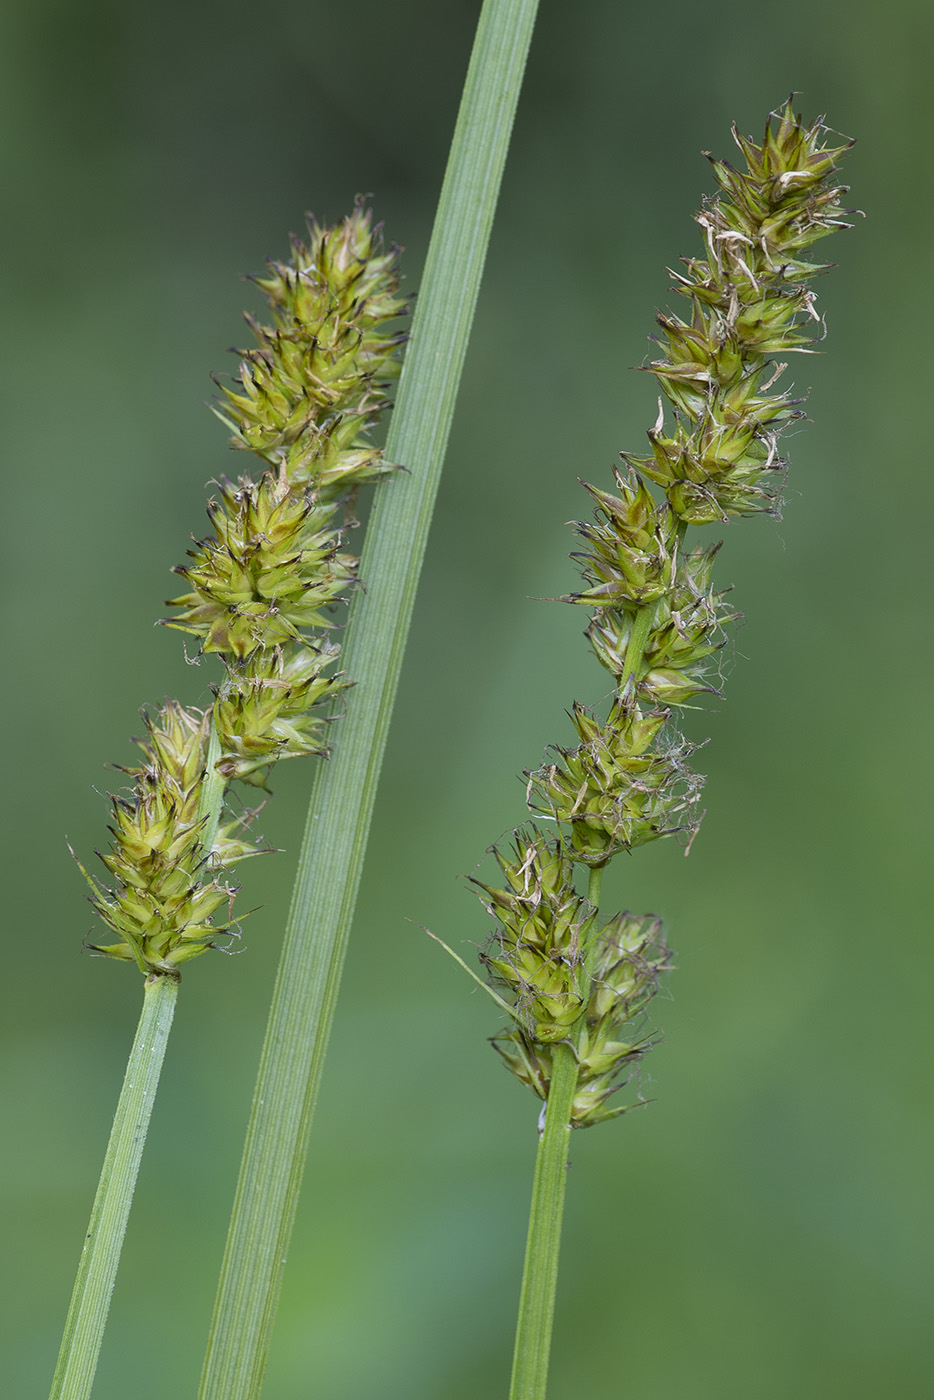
{"type": "Point", "coordinates": [342, 800]}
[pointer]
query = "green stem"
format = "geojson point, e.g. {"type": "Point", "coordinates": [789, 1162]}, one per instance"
{"type": "Point", "coordinates": [540, 1275]}
{"type": "Point", "coordinates": [90, 1301]}
{"type": "Point", "coordinates": [342, 799]}
{"type": "Point", "coordinates": [211, 804]}
{"type": "Point", "coordinates": [594, 884]}
{"type": "Point", "coordinates": [635, 649]}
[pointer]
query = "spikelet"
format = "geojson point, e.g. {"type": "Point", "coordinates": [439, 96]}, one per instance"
{"type": "Point", "coordinates": [167, 888]}
{"type": "Point", "coordinates": [629, 955]}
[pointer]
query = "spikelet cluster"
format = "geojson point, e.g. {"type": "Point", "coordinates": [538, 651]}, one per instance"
{"type": "Point", "coordinates": [658, 624]}
{"type": "Point", "coordinates": [167, 887]}
{"type": "Point", "coordinates": [262, 584]}
{"type": "Point", "coordinates": [261, 587]}
{"type": "Point", "coordinates": [567, 975]}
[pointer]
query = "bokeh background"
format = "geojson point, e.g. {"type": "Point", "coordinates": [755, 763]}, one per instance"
{"type": "Point", "coordinates": [762, 1228]}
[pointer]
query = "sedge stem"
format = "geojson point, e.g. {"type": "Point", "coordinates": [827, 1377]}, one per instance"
{"type": "Point", "coordinates": [635, 650]}
{"type": "Point", "coordinates": [540, 1275]}
{"type": "Point", "coordinates": [543, 1244]}
{"type": "Point", "coordinates": [90, 1300]}
{"type": "Point", "coordinates": [213, 787]}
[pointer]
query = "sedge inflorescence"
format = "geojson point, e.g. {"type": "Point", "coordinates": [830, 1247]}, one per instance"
{"type": "Point", "coordinates": [261, 588]}
{"type": "Point", "coordinates": [167, 888]}
{"type": "Point", "coordinates": [658, 623]}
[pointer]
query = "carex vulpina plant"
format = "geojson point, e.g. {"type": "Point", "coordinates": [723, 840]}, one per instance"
{"type": "Point", "coordinates": [260, 593]}
{"type": "Point", "coordinates": [573, 982]}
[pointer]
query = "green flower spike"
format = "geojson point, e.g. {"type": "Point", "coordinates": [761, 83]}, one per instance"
{"type": "Point", "coordinates": [262, 585]}
{"type": "Point", "coordinates": [265, 712]}
{"type": "Point", "coordinates": [634, 551]}
{"type": "Point", "coordinates": [269, 573]}
{"type": "Point", "coordinates": [270, 568]}
{"type": "Point", "coordinates": [750, 300]}
{"type": "Point", "coordinates": [629, 956]}
{"type": "Point", "coordinates": [658, 624]}
{"type": "Point", "coordinates": [167, 887]}
{"type": "Point", "coordinates": [318, 379]}
{"type": "Point", "coordinates": [614, 790]}
{"type": "Point", "coordinates": [538, 952]}
{"type": "Point", "coordinates": [546, 951]}
{"type": "Point", "coordinates": [687, 631]}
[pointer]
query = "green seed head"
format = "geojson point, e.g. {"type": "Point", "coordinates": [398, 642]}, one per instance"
{"type": "Point", "coordinates": [750, 300]}
{"type": "Point", "coordinates": [658, 623]}
{"type": "Point", "coordinates": [167, 888]}
{"type": "Point", "coordinates": [628, 957]}
{"type": "Point", "coordinates": [268, 709]}
{"type": "Point", "coordinates": [270, 567]}
{"type": "Point", "coordinates": [613, 790]}
{"type": "Point", "coordinates": [634, 547]}
{"type": "Point", "coordinates": [317, 379]}
{"type": "Point", "coordinates": [261, 589]}
{"type": "Point", "coordinates": [687, 632]}
{"type": "Point", "coordinates": [536, 953]}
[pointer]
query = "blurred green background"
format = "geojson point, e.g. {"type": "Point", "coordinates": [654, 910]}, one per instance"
{"type": "Point", "coordinates": [762, 1229]}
